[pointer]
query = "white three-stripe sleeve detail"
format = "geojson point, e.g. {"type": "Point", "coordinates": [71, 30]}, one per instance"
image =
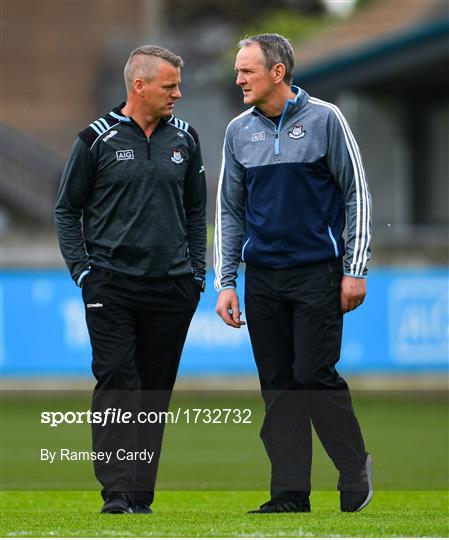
{"type": "Point", "coordinates": [103, 121]}
{"type": "Point", "coordinates": [99, 126]}
{"type": "Point", "coordinates": [218, 236]}
{"type": "Point", "coordinates": [218, 254]}
{"type": "Point", "coordinates": [180, 124]}
{"type": "Point", "coordinates": [357, 182]}
{"type": "Point", "coordinates": [362, 236]}
{"type": "Point", "coordinates": [94, 127]}
{"type": "Point", "coordinates": [361, 198]}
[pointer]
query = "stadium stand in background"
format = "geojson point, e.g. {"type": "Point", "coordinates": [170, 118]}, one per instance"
{"type": "Point", "coordinates": [385, 65]}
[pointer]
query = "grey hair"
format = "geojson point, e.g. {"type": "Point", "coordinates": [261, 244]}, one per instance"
{"type": "Point", "coordinates": [143, 62]}
{"type": "Point", "coordinates": [276, 49]}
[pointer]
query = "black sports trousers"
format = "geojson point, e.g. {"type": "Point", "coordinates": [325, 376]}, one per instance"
{"type": "Point", "coordinates": [137, 329]}
{"type": "Point", "coordinates": [295, 326]}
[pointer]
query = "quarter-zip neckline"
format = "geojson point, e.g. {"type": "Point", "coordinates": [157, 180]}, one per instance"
{"type": "Point", "coordinates": [133, 123]}
{"type": "Point", "coordinates": [277, 128]}
{"type": "Point", "coordinates": [158, 126]}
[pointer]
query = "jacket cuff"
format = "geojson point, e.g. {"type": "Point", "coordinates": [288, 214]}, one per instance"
{"type": "Point", "coordinates": [201, 279]}
{"type": "Point", "coordinates": [225, 287]}
{"type": "Point", "coordinates": [354, 275]}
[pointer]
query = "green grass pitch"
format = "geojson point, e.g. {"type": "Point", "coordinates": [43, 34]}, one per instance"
{"type": "Point", "coordinates": [212, 513]}
{"type": "Point", "coordinates": [211, 475]}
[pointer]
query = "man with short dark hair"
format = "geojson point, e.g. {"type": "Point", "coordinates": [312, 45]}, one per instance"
{"type": "Point", "coordinates": [292, 177]}
{"type": "Point", "coordinates": [136, 178]}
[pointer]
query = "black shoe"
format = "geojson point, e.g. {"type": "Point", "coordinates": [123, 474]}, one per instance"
{"type": "Point", "coordinates": [117, 504]}
{"type": "Point", "coordinates": [280, 506]}
{"type": "Point", "coordinates": [141, 509]}
{"type": "Point", "coordinates": [356, 491]}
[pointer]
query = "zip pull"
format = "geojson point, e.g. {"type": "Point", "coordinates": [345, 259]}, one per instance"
{"type": "Point", "coordinates": [278, 128]}
{"type": "Point", "coordinates": [276, 142]}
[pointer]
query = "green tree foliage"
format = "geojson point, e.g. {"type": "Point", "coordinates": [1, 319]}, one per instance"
{"type": "Point", "coordinates": [291, 24]}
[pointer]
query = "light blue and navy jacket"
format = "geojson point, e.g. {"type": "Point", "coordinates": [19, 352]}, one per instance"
{"type": "Point", "coordinates": [286, 192]}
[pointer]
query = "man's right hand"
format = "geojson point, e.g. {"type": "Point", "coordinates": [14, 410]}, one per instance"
{"type": "Point", "coordinates": [228, 308]}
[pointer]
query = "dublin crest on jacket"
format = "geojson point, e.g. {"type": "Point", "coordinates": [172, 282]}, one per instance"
{"type": "Point", "coordinates": [297, 132]}
{"type": "Point", "coordinates": [176, 157]}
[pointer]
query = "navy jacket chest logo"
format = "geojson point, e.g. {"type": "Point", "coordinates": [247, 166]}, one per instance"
{"type": "Point", "coordinates": [297, 132]}
{"type": "Point", "coordinates": [176, 157]}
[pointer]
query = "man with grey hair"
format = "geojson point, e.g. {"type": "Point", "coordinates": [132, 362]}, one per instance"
{"type": "Point", "coordinates": [135, 177]}
{"type": "Point", "coordinates": [292, 177]}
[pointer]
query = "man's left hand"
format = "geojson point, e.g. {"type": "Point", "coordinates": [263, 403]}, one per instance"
{"type": "Point", "coordinates": [352, 293]}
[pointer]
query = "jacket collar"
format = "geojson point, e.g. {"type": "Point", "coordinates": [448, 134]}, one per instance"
{"type": "Point", "coordinates": [291, 105]}
{"type": "Point", "coordinates": [118, 115]}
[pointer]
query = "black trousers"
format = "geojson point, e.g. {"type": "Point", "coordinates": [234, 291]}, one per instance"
{"type": "Point", "coordinates": [137, 329]}
{"type": "Point", "coordinates": [295, 326]}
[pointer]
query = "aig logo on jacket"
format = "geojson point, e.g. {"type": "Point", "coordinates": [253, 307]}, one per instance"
{"type": "Point", "coordinates": [260, 136]}
{"type": "Point", "coordinates": [176, 157]}
{"type": "Point", "coordinates": [124, 154]}
{"type": "Point", "coordinates": [297, 132]}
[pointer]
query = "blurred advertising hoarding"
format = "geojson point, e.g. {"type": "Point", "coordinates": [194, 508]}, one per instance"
{"type": "Point", "coordinates": [401, 327]}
